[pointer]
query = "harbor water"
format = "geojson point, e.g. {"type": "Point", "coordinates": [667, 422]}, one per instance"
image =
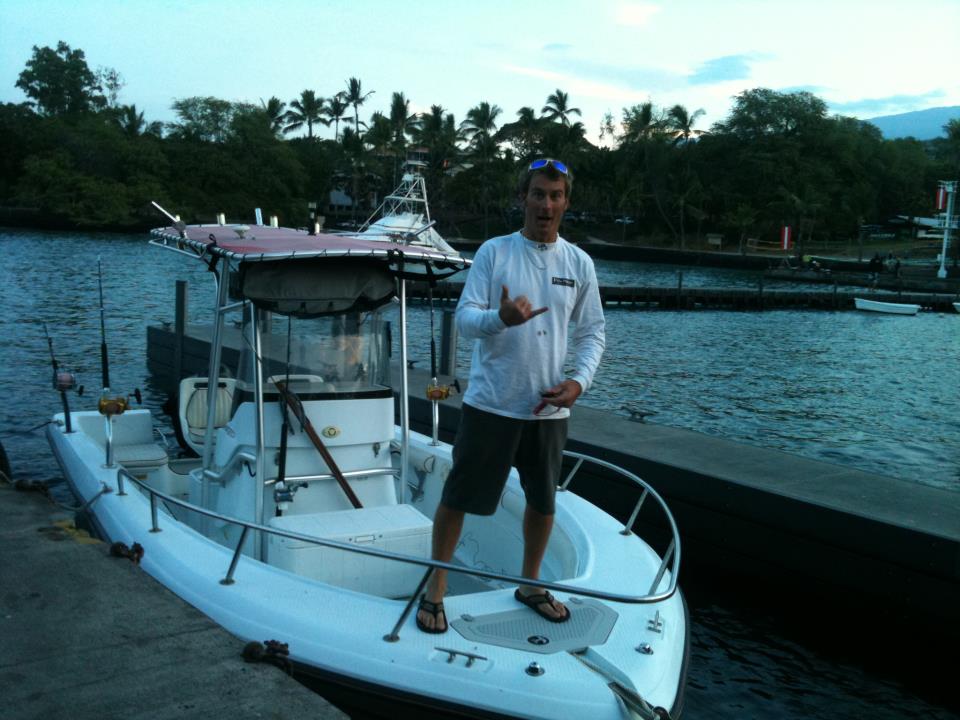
{"type": "Point", "coordinates": [873, 392]}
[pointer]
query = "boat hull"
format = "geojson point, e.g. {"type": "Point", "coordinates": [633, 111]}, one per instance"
{"type": "Point", "coordinates": [886, 307]}
{"type": "Point", "coordinates": [339, 636]}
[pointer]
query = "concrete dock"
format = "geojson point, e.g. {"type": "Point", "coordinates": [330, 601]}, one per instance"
{"type": "Point", "coordinates": [89, 636]}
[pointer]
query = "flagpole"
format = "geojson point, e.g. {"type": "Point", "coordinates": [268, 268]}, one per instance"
{"type": "Point", "coordinates": [950, 187]}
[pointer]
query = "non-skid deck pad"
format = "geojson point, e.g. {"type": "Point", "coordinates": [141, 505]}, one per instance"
{"type": "Point", "coordinates": [590, 623]}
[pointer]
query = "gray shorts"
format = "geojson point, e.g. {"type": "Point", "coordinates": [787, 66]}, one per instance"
{"type": "Point", "coordinates": [488, 445]}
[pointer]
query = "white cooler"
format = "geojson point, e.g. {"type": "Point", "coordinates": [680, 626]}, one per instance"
{"type": "Point", "coordinates": [399, 529]}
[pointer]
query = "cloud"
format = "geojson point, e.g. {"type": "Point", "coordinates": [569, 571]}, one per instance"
{"type": "Point", "coordinates": [557, 47]}
{"type": "Point", "coordinates": [721, 69]}
{"type": "Point", "coordinates": [631, 77]}
{"type": "Point", "coordinates": [636, 14]}
{"type": "Point", "coordinates": [579, 86]}
{"type": "Point", "coordinates": [889, 104]}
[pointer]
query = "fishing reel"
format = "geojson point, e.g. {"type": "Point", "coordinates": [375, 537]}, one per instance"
{"type": "Point", "coordinates": [64, 381]}
{"type": "Point", "coordinates": [437, 392]}
{"type": "Point", "coordinates": [111, 406]}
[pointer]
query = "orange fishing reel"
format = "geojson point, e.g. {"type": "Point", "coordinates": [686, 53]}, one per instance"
{"type": "Point", "coordinates": [437, 392]}
{"type": "Point", "coordinates": [111, 406]}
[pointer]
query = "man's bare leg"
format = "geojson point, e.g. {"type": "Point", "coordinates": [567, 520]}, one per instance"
{"type": "Point", "coordinates": [447, 526]}
{"type": "Point", "coordinates": [536, 534]}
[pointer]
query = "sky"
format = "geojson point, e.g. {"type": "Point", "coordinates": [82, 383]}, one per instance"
{"type": "Point", "coordinates": [864, 58]}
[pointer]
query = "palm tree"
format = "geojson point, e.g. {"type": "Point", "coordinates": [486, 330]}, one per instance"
{"type": "Point", "coordinates": [641, 122]}
{"type": "Point", "coordinates": [379, 136]}
{"type": "Point", "coordinates": [478, 129]}
{"type": "Point", "coordinates": [356, 97]}
{"type": "Point", "coordinates": [681, 122]}
{"type": "Point", "coordinates": [336, 110]}
{"type": "Point", "coordinates": [643, 135]}
{"type": "Point", "coordinates": [403, 123]}
{"type": "Point", "coordinates": [130, 121]}
{"type": "Point", "coordinates": [275, 109]}
{"type": "Point", "coordinates": [557, 107]}
{"type": "Point", "coordinates": [480, 124]}
{"type": "Point", "coordinates": [308, 110]}
{"type": "Point", "coordinates": [437, 131]}
{"type": "Point", "coordinates": [524, 133]}
{"type": "Point", "coordinates": [743, 217]}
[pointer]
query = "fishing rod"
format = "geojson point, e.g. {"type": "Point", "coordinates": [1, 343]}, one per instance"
{"type": "Point", "coordinates": [109, 406]}
{"type": "Point", "coordinates": [433, 340]}
{"type": "Point", "coordinates": [282, 493]}
{"type": "Point", "coordinates": [435, 391]}
{"type": "Point", "coordinates": [104, 359]}
{"type": "Point", "coordinates": [62, 381]}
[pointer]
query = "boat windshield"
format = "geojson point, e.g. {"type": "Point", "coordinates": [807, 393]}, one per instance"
{"type": "Point", "coordinates": [341, 356]}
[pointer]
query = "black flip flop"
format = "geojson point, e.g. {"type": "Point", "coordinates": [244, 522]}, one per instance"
{"type": "Point", "coordinates": [536, 603]}
{"type": "Point", "coordinates": [435, 609]}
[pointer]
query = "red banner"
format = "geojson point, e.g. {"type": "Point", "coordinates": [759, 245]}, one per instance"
{"type": "Point", "coordinates": [786, 239]}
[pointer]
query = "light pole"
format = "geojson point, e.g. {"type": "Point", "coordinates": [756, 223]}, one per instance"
{"type": "Point", "coordinates": [950, 188]}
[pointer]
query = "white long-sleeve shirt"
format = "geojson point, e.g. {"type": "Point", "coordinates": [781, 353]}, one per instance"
{"type": "Point", "coordinates": [511, 366]}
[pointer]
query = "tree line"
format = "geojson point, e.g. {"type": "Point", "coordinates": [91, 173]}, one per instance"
{"type": "Point", "coordinates": [74, 156]}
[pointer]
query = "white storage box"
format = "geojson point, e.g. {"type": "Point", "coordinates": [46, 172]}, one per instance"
{"type": "Point", "coordinates": [399, 529]}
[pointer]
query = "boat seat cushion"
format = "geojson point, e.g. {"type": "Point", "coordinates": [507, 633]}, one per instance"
{"type": "Point", "coordinates": [197, 406]}
{"type": "Point", "coordinates": [140, 456]}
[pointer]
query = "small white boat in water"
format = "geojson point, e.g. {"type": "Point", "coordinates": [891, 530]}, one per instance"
{"type": "Point", "coordinates": [307, 517]}
{"type": "Point", "coordinates": [886, 307]}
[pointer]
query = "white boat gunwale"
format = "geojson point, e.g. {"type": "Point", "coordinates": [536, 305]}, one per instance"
{"type": "Point", "coordinates": [672, 555]}
{"type": "Point", "coordinates": [202, 588]}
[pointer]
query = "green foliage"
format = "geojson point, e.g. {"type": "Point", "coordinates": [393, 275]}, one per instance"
{"type": "Point", "coordinates": [203, 119]}
{"type": "Point", "coordinates": [82, 159]}
{"type": "Point", "coordinates": [59, 82]}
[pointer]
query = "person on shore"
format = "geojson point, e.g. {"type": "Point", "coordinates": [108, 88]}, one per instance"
{"type": "Point", "coordinates": [521, 294]}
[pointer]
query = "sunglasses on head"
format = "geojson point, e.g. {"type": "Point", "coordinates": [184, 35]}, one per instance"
{"type": "Point", "coordinates": [544, 162]}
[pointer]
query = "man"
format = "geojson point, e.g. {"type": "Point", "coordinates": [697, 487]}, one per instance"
{"type": "Point", "coordinates": [520, 296]}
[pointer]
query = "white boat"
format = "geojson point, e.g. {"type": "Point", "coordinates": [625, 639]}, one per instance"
{"type": "Point", "coordinates": [317, 533]}
{"type": "Point", "coordinates": [956, 306]}
{"type": "Point", "coordinates": [886, 307]}
{"type": "Point", "coordinates": [404, 214]}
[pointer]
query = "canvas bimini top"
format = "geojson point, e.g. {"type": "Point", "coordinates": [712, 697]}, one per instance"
{"type": "Point", "coordinates": [262, 243]}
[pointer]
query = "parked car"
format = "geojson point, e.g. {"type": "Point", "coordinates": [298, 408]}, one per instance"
{"type": "Point", "coordinates": [587, 217]}
{"type": "Point", "coordinates": [624, 220]}
{"type": "Point", "coordinates": [571, 216]}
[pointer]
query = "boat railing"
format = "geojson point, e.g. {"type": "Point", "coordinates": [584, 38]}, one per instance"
{"type": "Point", "coordinates": [654, 595]}
{"type": "Point", "coordinates": [672, 555]}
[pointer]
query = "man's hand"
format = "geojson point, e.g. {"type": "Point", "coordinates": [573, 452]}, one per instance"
{"type": "Point", "coordinates": [518, 310]}
{"type": "Point", "coordinates": [563, 395]}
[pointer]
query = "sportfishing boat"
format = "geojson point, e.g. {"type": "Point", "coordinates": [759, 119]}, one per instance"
{"type": "Point", "coordinates": [405, 213]}
{"type": "Point", "coordinates": [306, 517]}
{"type": "Point", "coordinates": [886, 307]}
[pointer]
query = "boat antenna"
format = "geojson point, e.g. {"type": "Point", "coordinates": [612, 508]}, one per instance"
{"type": "Point", "coordinates": [104, 359]}
{"type": "Point", "coordinates": [177, 223]}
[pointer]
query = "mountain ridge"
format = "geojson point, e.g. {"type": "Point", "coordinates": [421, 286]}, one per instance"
{"type": "Point", "coordinates": [920, 124]}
